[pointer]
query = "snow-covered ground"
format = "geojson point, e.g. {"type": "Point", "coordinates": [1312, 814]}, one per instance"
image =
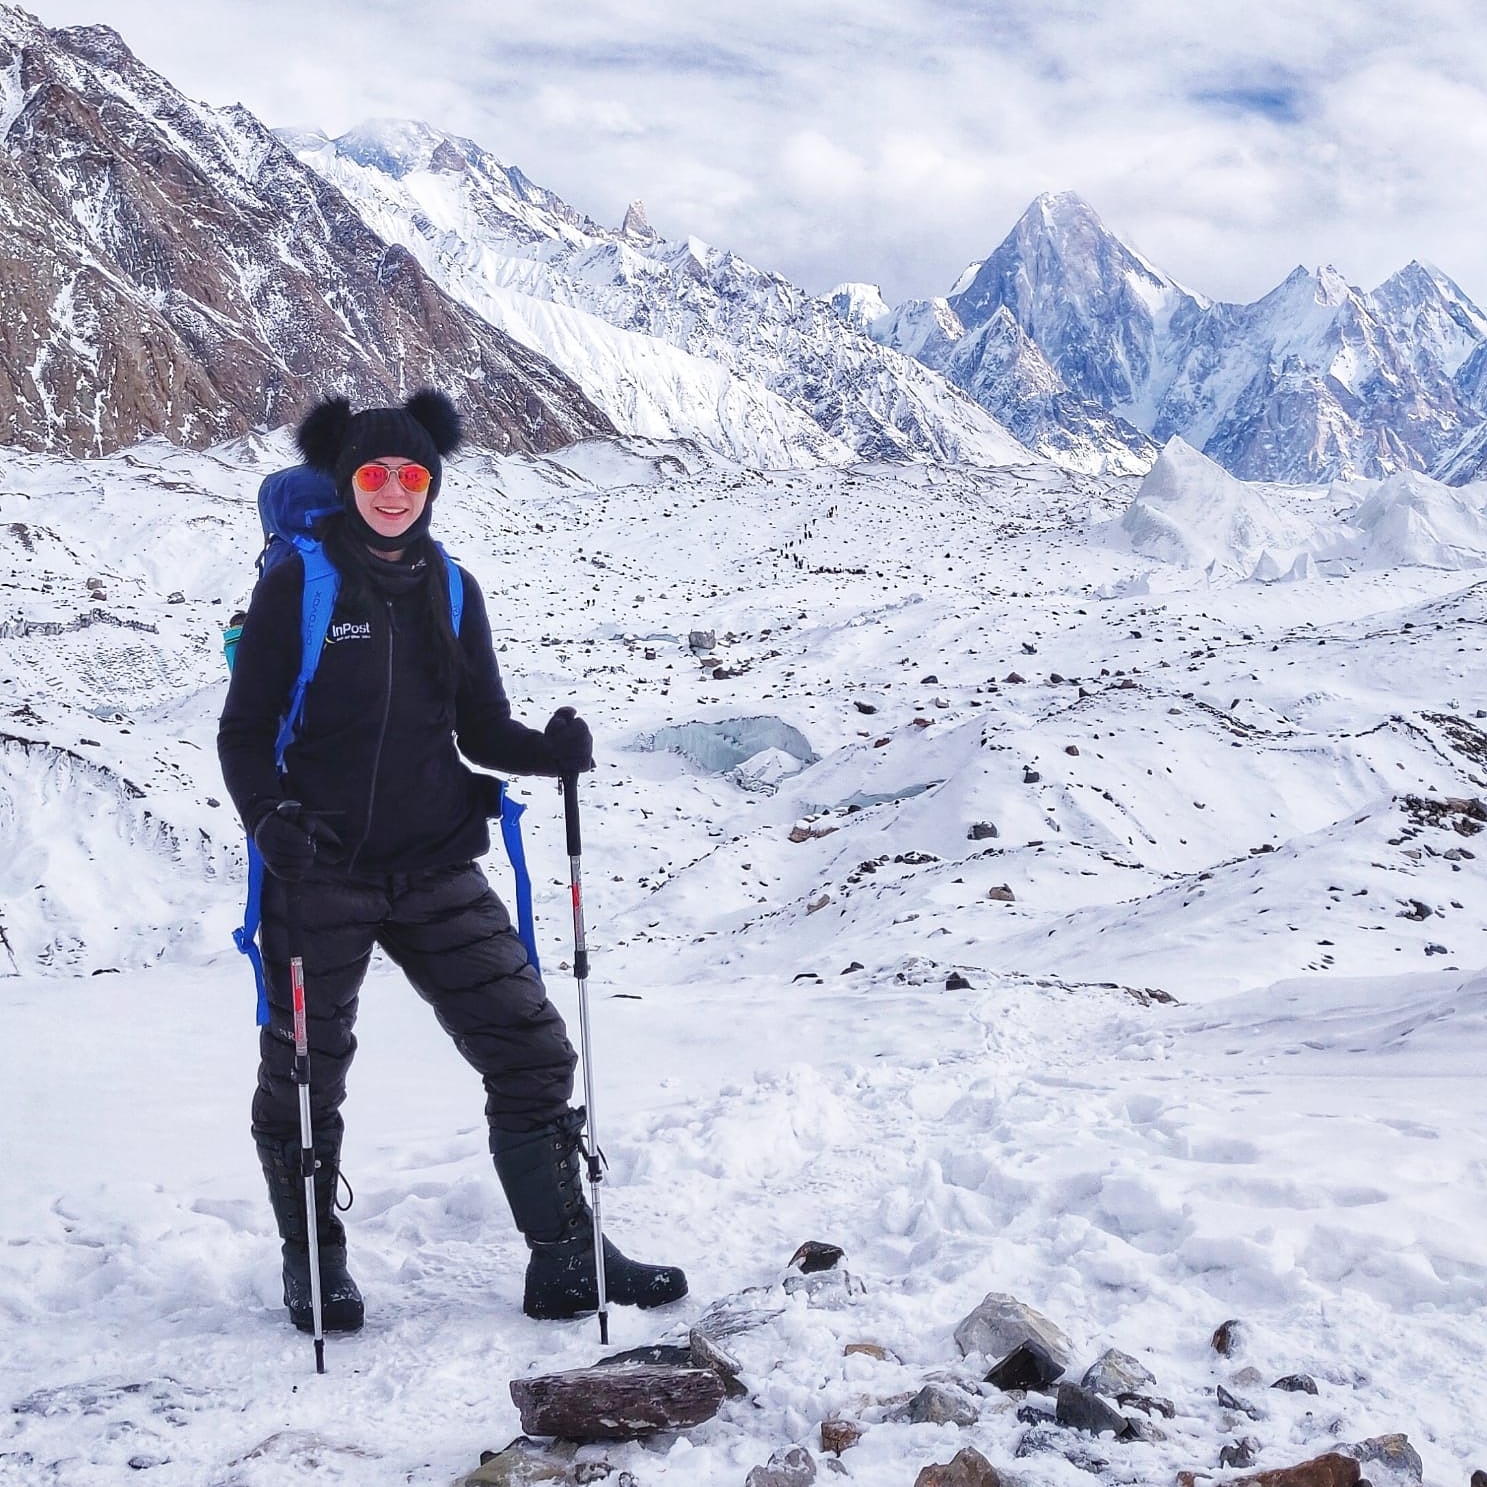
{"type": "Point", "coordinates": [1218, 1054]}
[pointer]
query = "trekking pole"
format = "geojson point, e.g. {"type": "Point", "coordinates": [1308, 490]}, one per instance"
{"type": "Point", "coordinates": [581, 975]}
{"type": "Point", "coordinates": [306, 1132]}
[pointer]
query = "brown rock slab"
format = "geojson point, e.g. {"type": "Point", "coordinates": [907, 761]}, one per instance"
{"type": "Point", "coordinates": [967, 1468]}
{"type": "Point", "coordinates": [1331, 1470]}
{"type": "Point", "coordinates": [619, 1403]}
{"type": "Point", "coordinates": [839, 1435]}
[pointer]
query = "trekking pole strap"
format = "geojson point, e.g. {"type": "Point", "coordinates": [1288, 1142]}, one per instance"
{"type": "Point", "coordinates": [246, 936]}
{"type": "Point", "coordinates": [526, 926]}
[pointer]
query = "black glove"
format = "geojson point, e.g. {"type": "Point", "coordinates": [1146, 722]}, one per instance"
{"type": "Point", "coordinates": [288, 838]}
{"type": "Point", "coordinates": [570, 742]}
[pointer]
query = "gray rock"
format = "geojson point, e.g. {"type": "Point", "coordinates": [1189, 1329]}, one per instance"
{"type": "Point", "coordinates": [1296, 1383]}
{"type": "Point", "coordinates": [702, 640]}
{"type": "Point", "coordinates": [1388, 1461]}
{"type": "Point", "coordinates": [792, 1467]}
{"type": "Point", "coordinates": [1001, 1323]}
{"type": "Point", "coordinates": [1243, 1452]}
{"type": "Point", "coordinates": [940, 1404]}
{"type": "Point", "coordinates": [1083, 1409]}
{"type": "Point", "coordinates": [982, 831]}
{"type": "Point", "coordinates": [1234, 1402]}
{"type": "Point", "coordinates": [1114, 1373]}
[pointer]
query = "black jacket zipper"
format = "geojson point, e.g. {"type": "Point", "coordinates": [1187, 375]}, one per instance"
{"type": "Point", "coordinates": [381, 737]}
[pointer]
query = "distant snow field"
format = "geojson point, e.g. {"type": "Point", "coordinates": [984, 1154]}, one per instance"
{"type": "Point", "coordinates": [1055, 885]}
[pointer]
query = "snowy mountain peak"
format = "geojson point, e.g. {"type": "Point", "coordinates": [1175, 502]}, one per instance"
{"type": "Point", "coordinates": [861, 306]}
{"type": "Point", "coordinates": [1331, 287]}
{"type": "Point", "coordinates": [1097, 309]}
{"type": "Point", "coordinates": [637, 226]}
{"type": "Point", "coordinates": [397, 147]}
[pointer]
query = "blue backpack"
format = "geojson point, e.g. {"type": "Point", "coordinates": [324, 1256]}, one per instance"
{"type": "Point", "coordinates": [291, 503]}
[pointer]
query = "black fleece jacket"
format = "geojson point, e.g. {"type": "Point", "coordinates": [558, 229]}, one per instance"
{"type": "Point", "coordinates": [377, 754]}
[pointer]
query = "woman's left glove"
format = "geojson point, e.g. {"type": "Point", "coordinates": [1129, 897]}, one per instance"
{"type": "Point", "coordinates": [570, 742]}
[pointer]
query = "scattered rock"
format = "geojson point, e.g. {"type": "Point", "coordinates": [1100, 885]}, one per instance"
{"type": "Point", "coordinates": [1234, 1402]}
{"type": "Point", "coordinates": [956, 982]}
{"type": "Point", "coordinates": [623, 1402]}
{"type": "Point", "coordinates": [1148, 1404]}
{"type": "Point", "coordinates": [1083, 1409]}
{"type": "Point", "coordinates": [1051, 1440]}
{"type": "Point", "coordinates": [806, 831]}
{"type": "Point", "coordinates": [1114, 1373]}
{"type": "Point", "coordinates": [1229, 1337]}
{"type": "Point", "coordinates": [981, 831]}
{"type": "Point", "coordinates": [703, 1352]}
{"type": "Point", "coordinates": [867, 1349]}
{"type": "Point", "coordinates": [864, 707]}
{"type": "Point", "coordinates": [1030, 777]}
{"type": "Point", "coordinates": [1296, 1383]}
{"type": "Point", "coordinates": [855, 966]}
{"type": "Point", "coordinates": [1002, 894]}
{"type": "Point", "coordinates": [839, 1435]}
{"type": "Point", "coordinates": [792, 1467]}
{"type": "Point", "coordinates": [940, 1404]}
{"type": "Point", "coordinates": [817, 904]}
{"type": "Point", "coordinates": [1240, 1453]}
{"type": "Point", "coordinates": [828, 1288]}
{"type": "Point", "coordinates": [814, 1255]}
{"type": "Point", "coordinates": [174, 597]}
{"type": "Point", "coordinates": [1479, 1479]}
{"type": "Point", "coordinates": [1389, 1461]}
{"type": "Point", "coordinates": [701, 640]}
{"type": "Point", "coordinates": [523, 1463]}
{"type": "Point", "coordinates": [661, 1354]}
{"type": "Point", "coordinates": [1414, 909]}
{"type": "Point", "coordinates": [967, 1468]}
{"type": "Point", "coordinates": [1001, 1323]}
{"type": "Point", "coordinates": [1014, 677]}
{"type": "Point", "coordinates": [929, 681]}
{"type": "Point", "coordinates": [1331, 1470]}
{"type": "Point", "coordinates": [1072, 750]}
{"type": "Point", "coordinates": [1028, 1366]}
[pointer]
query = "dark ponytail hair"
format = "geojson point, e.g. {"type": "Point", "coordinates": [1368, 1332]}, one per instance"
{"type": "Point", "coordinates": [354, 563]}
{"type": "Point", "coordinates": [449, 656]}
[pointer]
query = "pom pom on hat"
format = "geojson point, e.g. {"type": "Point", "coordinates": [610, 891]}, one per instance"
{"type": "Point", "coordinates": [323, 432]}
{"type": "Point", "coordinates": [439, 416]}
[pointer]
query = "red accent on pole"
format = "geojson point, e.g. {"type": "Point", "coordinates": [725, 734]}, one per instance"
{"type": "Point", "coordinates": [297, 984]}
{"type": "Point", "coordinates": [575, 895]}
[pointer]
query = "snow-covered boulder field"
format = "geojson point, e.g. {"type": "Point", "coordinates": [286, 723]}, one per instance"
{"type": "Point", "coordinates": [1023, 891]}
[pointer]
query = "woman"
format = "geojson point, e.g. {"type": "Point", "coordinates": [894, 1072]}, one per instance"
{"type": "Point", "coordinates": [370, 836]}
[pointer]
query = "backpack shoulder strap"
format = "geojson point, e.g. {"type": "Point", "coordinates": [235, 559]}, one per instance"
{"type": "Point", "coordinates": [456, 588]}
{"type": "Point", "coordinates": [322, 584]}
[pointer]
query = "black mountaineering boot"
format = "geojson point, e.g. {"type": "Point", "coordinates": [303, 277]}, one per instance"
{"type": "Point", "coordinates": [541, 1174]}
{"type": "Point", "coordinates": [340, 1300]}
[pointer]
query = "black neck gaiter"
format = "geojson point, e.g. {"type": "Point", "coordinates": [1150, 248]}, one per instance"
{"type": "Point", "coordinates": [364, 534]}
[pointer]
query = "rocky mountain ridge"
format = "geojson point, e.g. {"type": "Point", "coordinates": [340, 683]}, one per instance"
{"type": "Point", "coordinates": [170, 268]}
{"type": "Point", "coordinates": [1317, 380]}
{"type": "Point", "coordinates": [672, 339]}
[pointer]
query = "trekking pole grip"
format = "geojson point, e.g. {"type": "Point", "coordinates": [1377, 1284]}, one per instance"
{"type": "Point", "coordinates": [570, 814]}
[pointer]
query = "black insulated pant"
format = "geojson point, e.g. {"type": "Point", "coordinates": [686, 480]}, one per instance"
{"type": "Point", "coordinates": [454, 940]}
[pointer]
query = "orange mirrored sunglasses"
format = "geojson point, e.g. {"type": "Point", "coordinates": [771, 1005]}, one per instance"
{"type": "Point", "coordinates": [369, 479]}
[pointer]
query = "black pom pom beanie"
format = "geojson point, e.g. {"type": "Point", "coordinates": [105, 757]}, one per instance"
{"type": "Point", "coordinates": [334, 439]}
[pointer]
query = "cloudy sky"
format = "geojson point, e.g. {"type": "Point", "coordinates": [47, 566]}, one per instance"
{"type": "Point", "coordinates": [894, 141]}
